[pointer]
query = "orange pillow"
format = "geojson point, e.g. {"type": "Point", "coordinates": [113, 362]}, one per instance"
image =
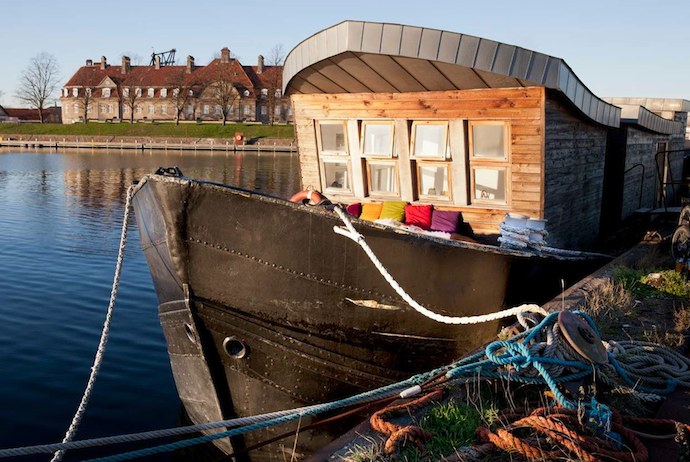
{"type": "Point", "coordinates": [371, 211]}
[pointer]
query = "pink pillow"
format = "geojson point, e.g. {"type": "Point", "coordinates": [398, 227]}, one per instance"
{"type": "Point", "coordinates": [418, 215]}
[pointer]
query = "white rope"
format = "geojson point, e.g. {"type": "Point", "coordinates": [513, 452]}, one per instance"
{"type": "Point", "coordinates": [76, 420]}
{"type": "Point", "coordinates": [352, 233]}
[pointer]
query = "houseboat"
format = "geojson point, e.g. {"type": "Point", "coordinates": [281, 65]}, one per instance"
{"type": "Point", "coordinates": [429, 139]}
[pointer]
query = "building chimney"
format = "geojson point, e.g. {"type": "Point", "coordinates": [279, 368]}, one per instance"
{"type": "Point", "coordinates": [225, 55]}
{"type": "Point", "coordinates": [260, 65]}
{"type": "Point", "coordinates": [103, 62]}
{"type": "Point", "coordinates": [157, 62]}
{"type": "Point", "coordinates": [89, 62]}
{"type": "Point", "coordinates": [125, 65]}
{"type": "Point", "coordinates": [190, 64]}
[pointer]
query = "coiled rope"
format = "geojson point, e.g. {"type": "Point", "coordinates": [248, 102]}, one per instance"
{"type": "Point", "coordinates": [353, 234]}
{"type": "Point", "coordinates": [98, 360]}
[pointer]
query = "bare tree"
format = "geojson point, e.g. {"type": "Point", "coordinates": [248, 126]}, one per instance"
{"type": "Point", "coordinates": [274, 80]}
{"type": "Point", "coordinates": [84, 101]}
{"type": "Point", "coordinates": [130, 92]}
{"type": "Point", "coordinates": [38, 82]}
{"type": "Point", "coordinates": [222, 89]}
{"type": "Point", "coordinates": [184, 88]}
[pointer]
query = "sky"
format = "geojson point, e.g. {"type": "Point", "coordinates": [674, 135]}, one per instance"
{"type": "Point", "coordinates": [617, 48]}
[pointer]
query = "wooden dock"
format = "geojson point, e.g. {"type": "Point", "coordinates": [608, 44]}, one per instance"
{"type": "Point", "coordinates": [143, 145]}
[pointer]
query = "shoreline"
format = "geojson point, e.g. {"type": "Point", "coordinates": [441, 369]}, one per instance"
{"type": "Point", "coordinates": [148, 143]}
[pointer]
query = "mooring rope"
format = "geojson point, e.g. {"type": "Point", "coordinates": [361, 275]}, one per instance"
{"type": "Point", "coordinates": [76, 420]}
{"type": "Point", "coordinates": [352, 233]}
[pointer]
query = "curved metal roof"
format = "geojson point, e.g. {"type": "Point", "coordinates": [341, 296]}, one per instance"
{"type": "Point", "coordinates": [639, 115]}
{"type": "Point", "coordinates": [357, 56]}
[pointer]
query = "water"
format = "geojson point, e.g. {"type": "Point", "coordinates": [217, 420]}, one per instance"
{"type": "Point", "coordinates": [60, 223]}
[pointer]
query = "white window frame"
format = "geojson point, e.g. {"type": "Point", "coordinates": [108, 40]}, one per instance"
{"type": "Point", "coordinates": [137, 92]}
{"type": "Point", "coordinates": [425, 123]}
{"type": "Point", "coordinates": [105, 93]}
{"type": "Point", "coordinates": [319, 140]}
{"type": "Point", "coordinates": [125, 92]}
{"type": "Point", "coordinates": [75, 92]}
{"type": "Point", "coordinates": [152, 109]}
{"type": "Point", "coordinates": [327, 188]}
{"type": "Point", "coordinates": [383, 154]}
{"type": "Point", "coordinates": [164, 109]}
{"type": "Point", "coordinates": [151, 92]}
{"type": "Point", "coordinates": [383, 194]}
{"type": "Point", "coordinates": [164, 92]}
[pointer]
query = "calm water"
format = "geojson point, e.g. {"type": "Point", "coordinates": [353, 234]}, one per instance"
{"type": "Point", "coordinates": [60, 222]}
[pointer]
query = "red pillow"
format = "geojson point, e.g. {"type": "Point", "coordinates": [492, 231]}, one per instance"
{"type": "Point", "coordinates": [418, 215]}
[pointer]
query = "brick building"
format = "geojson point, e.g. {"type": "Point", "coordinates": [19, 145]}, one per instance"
{"type": "Point", "coordinates": [103, 92]}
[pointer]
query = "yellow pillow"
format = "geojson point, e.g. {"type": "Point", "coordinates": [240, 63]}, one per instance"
{"type": "Point", "coordinates": [371, 211]}
{"type": "Point", "coordinates": [394, 210]}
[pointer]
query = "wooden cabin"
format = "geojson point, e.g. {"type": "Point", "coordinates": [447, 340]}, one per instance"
{"type": "Point", "coordinates": [390, 112]}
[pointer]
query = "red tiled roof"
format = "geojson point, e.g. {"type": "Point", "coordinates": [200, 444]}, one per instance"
{"type": "Point", "coordinates": [167, 76]}
{"type": "Point", "coordinates": [271, 77]}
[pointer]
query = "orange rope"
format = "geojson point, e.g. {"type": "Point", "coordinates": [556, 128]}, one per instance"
{"type": "Point", "coordinates": [399, 434]}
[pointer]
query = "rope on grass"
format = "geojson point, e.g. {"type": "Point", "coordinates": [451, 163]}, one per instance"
{"type": "Point", "coordinates": [351, 233]}
{"type": "Point", "coordinates": [98, 359]}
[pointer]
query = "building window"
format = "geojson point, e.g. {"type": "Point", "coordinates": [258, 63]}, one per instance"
{"type": "Point", "coordinates": [125, 110]}
{"type": "Point", "coordinates": [106, 93]}
{"type": "Point", "coordinates": [489, 162]}
{"type": "Point", "coordinates": [125, 92]}
{"type": "Point", "coordinates": [176, 92]}
{"type": "Point", "coordinates": [110, 108]}
{"type": "Point", "coordinates": [377, 139]}
{"type": "Point", "coordinates": [101, 108]}
{"type": "Point", "coordinates": [152, 109]}
{"type": "Point", "coordinates": [139, 110]}
{"type": "Point", "coordinates": [164, 109]}
{"type": "Point", "coordinates": [207, 109]}
{"type": "Point", "coordinates": [75, 92]}
{"type": "Point", "coordinates": [65, 92]}
{"type": "Point", "coordinates": [433, 180]}
{"type": "Point", "coordinates": [277, 93]}
{"type": "Point", "coordinates": [247, 109]}
{"type": "Point", "coordinates": [151, 92]}
{"type": "Point", "coordinates": [332, 138]}
{"type": "Point", "coordinates": [336, 175]}
{"type": "Point", "coordinates": [264, 92]}
{"type": "Point", "coordinates": [137, 91]}
{"type": "Point", "coordinates": [277, 111]}
{"type": "Point", "coordinates": [190, 109]}
{"type": "Point", "coordinates": [218, 111]}
{"type": "Point", "coordinates": [164, 92]}
{"type": "Point", "coordinates": [429, 140]}
{"type": "Point", "coordinates": [264, 110]}
{"type": "Point", "coordinates": [88, 92]}
{"type": "Point", "coordinates": [383, 178]}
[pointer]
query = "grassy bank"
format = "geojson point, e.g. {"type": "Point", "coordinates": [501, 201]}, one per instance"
{"type": "Point", "coordinates": [168, 130]}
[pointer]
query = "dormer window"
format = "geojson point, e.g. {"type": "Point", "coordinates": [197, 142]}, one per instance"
{"type": "Point", "coordinates": [164, 92]}
{"type": "Point", "coordinates": [176, 92]}
{"type": "Point", "coordinates": [277, 93]}
{"type": "Point", "coordinates": [65, 92]}
{"type": "Point", "coordinates": [137, 92]}
{"type": "Point", "coordinates": [264, 92]}
{"type": "Point", "coordinates": [125, 92]}
{"type": "Point", "coordinates": [151, 92]}
{"type": "Point", "coordinates": [106, 93]}
{"type": "Point", "coordinates": [75, 92]}
{"type": "Point", "coordinates": [88, 92]}
{"type": "Point", "coordinates": [246, 92]}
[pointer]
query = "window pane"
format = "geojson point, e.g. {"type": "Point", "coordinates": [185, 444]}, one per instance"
{"type": "Point", "coordinates": [332, 137]}
{"type": "Point", "coordinates": [488, 141]}
{"type": "Point", "coordinates": [383, 178]}
{"type": "Point", "coordinates": [378, 139]}
{"type": "Point", "coordinates": [337, 176]}
{"type": "Point", "coordinates": [490, 184]}
{"type": "Point", "coordinates": [433, 180]}
{"type": "Point", "coordinates": [430, 141]}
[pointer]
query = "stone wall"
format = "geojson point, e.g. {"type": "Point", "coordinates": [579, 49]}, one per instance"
{"type": "Point", "coordinates": [573, 176]}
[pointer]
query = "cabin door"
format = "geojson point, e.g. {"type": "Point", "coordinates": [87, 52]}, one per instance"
{"type": "Point", "coordinates": [614, 179]}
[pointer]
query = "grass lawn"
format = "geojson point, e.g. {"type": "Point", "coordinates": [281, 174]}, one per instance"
{"type": "Point", "coordinates": [186, 130]}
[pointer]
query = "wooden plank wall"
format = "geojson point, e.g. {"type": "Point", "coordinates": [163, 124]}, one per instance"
{"type": "Point", "coordinates": [523, 108]}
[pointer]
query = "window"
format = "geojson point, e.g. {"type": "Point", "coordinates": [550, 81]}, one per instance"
{"type": "Point", "coordinates": [176, 92]}
{"type": "Point", "coordinates": [218, 109]}
{"type": "Point", "coordinates": [429, 140]}
{"type": "Point", "coordinates": [246, 110]}
{"type": "Point", "coordinates": [229, 109]}
{"type": "Point", "coordinates": [207, 109]}
{"type": "Point", "coordinates": [125, 92]}
{"type": "Point", "coordinates": [76, 108]}
{"type": "Point", "coordinates": [151, 92]}
{"type": "Point", "coordinates": [139, 110]}
{"type": "Point", "coordinates": [489, 162]}
{"type": "Point", "coordinates": [110, 108]}
{"type": "Point", "coordinates": [164, 109]}
{"type": "Point", "coordinates": [75, 92]}
{"type": "Point", "coordinates": [190, 109]}
{"type": "Point", "coordinates": [125, 110]}
{"type": "Point", "coordinates": [277, 93]}
{"type": "Point", "coordinates": [164, 92]}
{"type": "Point", "coordinates": [331, 136]}
{"type": "Point", "coordinates": [277, 111]}
{"type": "Point", "coordinates": [101, 108]}
{"type": "Point", "coordinates": [336, 175]}
{"type": "Point", "coordinates": [264, 92]}
{"type": "Point", "coordinates": [137, 91]}
{"type": "Point", "coordinates": [152, 109]}
{"type": "Point", "coordinates": [263, 110]}
{"type": "Point", "coordinates": [377, 139]}
{"type": "Point", "coordinates": [88, 92]}
{"type": "Point", "coordinates": [383, 177]}
{"type": "Point", "coordinates": [433, 180]}
{"type": "Point", "coordinates": [106, 93]}
{"type": "Point", "coordinates": [65, 92]}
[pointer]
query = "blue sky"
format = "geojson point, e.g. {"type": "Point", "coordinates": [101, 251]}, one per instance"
{"type": "Point", "coordinates": [618, 48]}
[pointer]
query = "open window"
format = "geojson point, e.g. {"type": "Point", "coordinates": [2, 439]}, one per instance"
{"type": "Point", "coordinates": [336, 175]}
{"type": "Point", "coordinates": [429, 140]}
{"type": "Point", "coordinates": [433, 180]}
{"type": "Point", "coordinates": [377, 138]}
{"type": "Point", "coordinates": [332, 138]}
{"type": "Point", "coordinates": [382, 178]}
